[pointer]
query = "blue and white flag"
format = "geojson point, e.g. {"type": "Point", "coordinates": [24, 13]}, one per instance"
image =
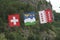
{"type": "Point", "coordinates": [29, 18]}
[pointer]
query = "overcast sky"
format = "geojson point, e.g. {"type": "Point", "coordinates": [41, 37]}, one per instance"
{"type": "Point", "coordinates": [55, 5]}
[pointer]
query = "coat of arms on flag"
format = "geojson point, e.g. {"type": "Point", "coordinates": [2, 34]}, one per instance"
{"type": "Point", "coordinates": [14, 20]}
{"type": "Point", "coordinates": [29, 18]}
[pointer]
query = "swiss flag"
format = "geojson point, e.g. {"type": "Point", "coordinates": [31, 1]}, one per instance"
{"type": "Point", "coordinates": [14, 20]}
{"type": "Point", "coordinates": [49, 15]}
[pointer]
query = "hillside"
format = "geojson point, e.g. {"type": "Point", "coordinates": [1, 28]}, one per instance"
{"type": "Point", "coordinates": [23, 32]}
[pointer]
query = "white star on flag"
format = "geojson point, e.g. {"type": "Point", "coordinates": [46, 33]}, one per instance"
{"type": "Point", "coordinates": [49, 15]}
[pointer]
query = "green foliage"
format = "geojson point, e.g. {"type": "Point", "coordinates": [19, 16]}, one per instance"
{"type": "Point", "coordinates": [2, 36]}
{"type": "Point", "coordinates": [14, 36]}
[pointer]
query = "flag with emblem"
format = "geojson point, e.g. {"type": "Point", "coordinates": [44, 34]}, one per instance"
{"type": "Point", "coordinates": [29, 18]}
{"type": "Point", "coordinates": [42, 17]}
{"type": "Point", "coordinates": [14, 20]}
{"type": "Point", "coordinates": [49, 15]}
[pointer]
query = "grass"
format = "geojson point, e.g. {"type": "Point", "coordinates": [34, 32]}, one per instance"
{"type": "Point", "coordinates": [29, 23]}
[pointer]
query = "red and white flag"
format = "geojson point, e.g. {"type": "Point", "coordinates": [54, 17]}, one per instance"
{"type": "Point", "coordinates": [49, 15]}
{"type": "Point", "coordinates": [46, 16]}
{"type": "Point", "coordinates": [42, 17]}
{"type": "Point", "coordinates": [14, 20]}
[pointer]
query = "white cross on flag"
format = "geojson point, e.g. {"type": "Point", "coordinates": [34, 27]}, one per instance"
{"type": "Point", "coordinates": [14, 20]}
{"type": "Point", "coordinates": [42, 17]}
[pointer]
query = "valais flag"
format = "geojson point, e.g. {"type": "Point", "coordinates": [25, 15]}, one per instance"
{"type": "Point", "coordinates": [45, 16]}
{"type": "Point", "coordinates": [49, 15]}
{"type": "Point", "coordinates": [14, 20]}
